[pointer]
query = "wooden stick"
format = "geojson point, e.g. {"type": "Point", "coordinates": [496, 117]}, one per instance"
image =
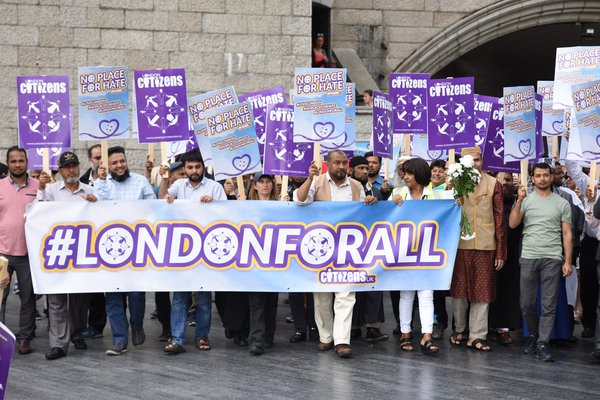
{"type": "Point", "coordinates": [164, 157]}
{"type": "Point", "coordinates": [386, 170]}
{"type": "Point", "coordinates": [284, 185]}
{"type": "Point", "coordinates": [151, 152]}
{"type": "Point", "coordinates": [3, 272]}
{"type": "Point", "coordinates": [317, 155]}
{"type": "Point", "coordinates": [524, 173]}
{"type": "Point", "coordinates": [555, 151]}
{"type": "Point", "coordinates": [451, 157]}
{"type": "Point", "coordinates": [406, 144]}
{"type": "Point", "coordinates": [46, 161]}
{"type": "Point", "coordinates": [241, 189]}
{"type": "Point", "coordinates": [593, 169]}
{"type": "Point", "coordinates": [104, 151]}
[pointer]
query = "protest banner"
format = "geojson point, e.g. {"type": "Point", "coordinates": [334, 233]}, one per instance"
{"type": "Point", "coordinates": [7, 346]}
{"type": "Point", "coordinates": [122, 246]}
{"type": "Point", "coordinates": [43, 108]}
{"type": "Point", "coordinates": [197, 108]}
{"type": "Point", "coordinates": [538, 100]}
{"type": "Point", "coordinates": [419, 148]}
{"type": "Point", "coordinates": [282, 156]}
{"type": "Point", "coordinates": [552, 120]}
{"type": "Point", "coordinates": [493, 151]}
{"type": "Point", "coordinates": [260, 100]}
{"type": "Point", "coordinates": [574, 149]}
{"type": "Point", "coordinates": [450, 109]}
{"type": "Point", "coordinates": [345, 142]}
{"type": "Point", "coordinates": [483, 112]}
{"type": "Point", "coordinates": [408, 94]}
{"type": "Point", "coordinates": [233, 142]}
{"type": "Point", "coordinates": [382, 125]}
{"type": "Point", "coordinates": [319, 105]}
{"type": "Point", "coordinates": [586, 107]}
{"type": "Point", "coordinates": [519, 127]}
{"type": "Point", "coordinates": [390, 163]}
{"type": "Point", "coordinates": [573, 65]}
{"type": "Point", "coordinates": [35, 158]}
{"type": "Point", "coordinates": [103, 103]}
{"type": "Point", "coordinates": [161, 101]}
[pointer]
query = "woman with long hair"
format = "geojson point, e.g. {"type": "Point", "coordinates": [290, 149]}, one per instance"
{"type": "Point", "coordinates": [319, 55]}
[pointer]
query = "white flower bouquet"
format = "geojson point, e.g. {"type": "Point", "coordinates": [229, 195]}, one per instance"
{"type": "Point", "coordinates": [464, 178]}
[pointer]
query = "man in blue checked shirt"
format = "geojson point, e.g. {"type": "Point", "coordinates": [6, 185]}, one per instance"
{"type": "Point", "coordinates": [119, 184]}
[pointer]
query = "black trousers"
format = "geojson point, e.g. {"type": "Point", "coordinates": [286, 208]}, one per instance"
{"type": "Point", "coordinates": [588, 281]}
{"type": "Point", "coordinates": [163, 308]}
{"type": "Point", "coordinates": [97, 311]}
{"type": "Point", "coordinates": [302, 306]}
{"type": "Point", "coordinates": [263, 313]}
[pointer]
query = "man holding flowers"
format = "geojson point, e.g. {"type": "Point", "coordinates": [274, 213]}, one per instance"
{"type": "Point", "coordinates": [481, 251]}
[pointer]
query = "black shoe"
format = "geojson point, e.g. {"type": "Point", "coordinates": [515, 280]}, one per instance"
{"type": "Point", "coordinates": [55, 353]}
{"type": "Point", "coordinates": [355, 333]}
{"type": "Point", "coordinates": [240, 341]}
{"type": "Point", "coordinates": [542, 352]}
{"type": "Point", "coordinates": [313, 334]}
{"type": "Point", "coordinates": [530, 345]}
{"type": "Point", "coordinates": [438, 331]}
{"type": "Point", "coordinates": [588, 333]}
{"type": "Point", "coordinates": [138, 337]}
{"type": "Point", "coordinates": [165, 336]}
{"type": "Point", "coordinates": [256, 350]}
{"type": "Point", "coordinates": [396, 331]}
{"type": "Point", "coordinates": [154, 314]}
{"type": "Point", "coordinates": [91, 333]}
{"type": "Point", "coordinates": [289, 319]}
{"type": "Point", "coordinates": [375, 335]}
{"type": "Point", "coordinates": [297, 337]}
{"type": "Point", "coordinates": [80, 344]}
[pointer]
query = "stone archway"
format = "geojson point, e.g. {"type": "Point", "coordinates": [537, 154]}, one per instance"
{"type": "Point", "coordinates": [491, 22]}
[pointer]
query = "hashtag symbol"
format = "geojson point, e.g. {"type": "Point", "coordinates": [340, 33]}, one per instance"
{"type": "Point", "coordinates": [60, 247]}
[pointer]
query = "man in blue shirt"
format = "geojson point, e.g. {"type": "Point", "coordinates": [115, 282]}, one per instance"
{"type": "Point", "coordinates": [375, 179]}
{"type": "Point", "coordinates": [119, 184]}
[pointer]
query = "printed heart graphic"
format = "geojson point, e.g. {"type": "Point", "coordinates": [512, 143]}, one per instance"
{"type": "Point", "coordinates": [108, 127]}
{"type": "Point", "coordinates": [434, 154]}
{"type": "Point", "coordinates": [323, 130]}
{"type": "Point", "coordinates": [598, 140]}
{"type": "Point", "coordinates": [525, 147]}
{"type": "Point", "coordinates": [241, 163]}
{"type": "Point", "coordinates": [558, 126]}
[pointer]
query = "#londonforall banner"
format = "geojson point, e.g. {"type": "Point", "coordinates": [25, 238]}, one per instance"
{"type": "Point", "coordinates": [382, 125]}
{"type": "Point", "coordinates": [233, 141]}
{"type": "Point", "coordinates": [260, 100]}
{"type": "Point", "coordinates": [265, 246]}
{"type": "Point", "coordinates": [409, 102]}
{"type": "Point", "coordinates": [103, 103]}
{"type": "Point", "coordinates": [282, 156]}
{"type": "Point", "coordinates": [197, 108]}
{"type": "Point", "coordinates": [319, 104]}
{"type": "Point", "coordinates": [586, 104]}
{"type": "Point", "coordinates": [573, 65]}
{"type": "Point", "coordinates": [552, 120]}
{"type": "Point", "coordinates": [450, 109]}
{"type": "Point", "coordinates": [7, 347]}
{"type": "Point", "coordinates": [161, 101]}
{"type": "Point", "coordinates": [519, 123]}
{"type": "Point", "coordinates": [43, 107]}
{"type": "Point", "coordinates": [493, 152]}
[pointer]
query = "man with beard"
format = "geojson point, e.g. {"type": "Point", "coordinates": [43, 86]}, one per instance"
{"type": "Point", "coordinates": [546, 221]}
{"type": "Point", "coordinates": [119, 184]}
{"type": "Point", "coordinates": [368, 309]}
{"type": "Point", "coordinates": [505, 312]}
{"type": "Point", "coordinates": [67, 314]}
{"type": "Point", "coordinates": [334, 319]}
{"type": "Point", "coordinates": [374, 178]}
{"type": "Point", "coordinates": [94, 154]}
{"type": "Point", "coordinates": [16, 191]}
{"type": "Point", "coordinates": [200, 189]}
{"type": "Point", "coordinates": [97, 301]}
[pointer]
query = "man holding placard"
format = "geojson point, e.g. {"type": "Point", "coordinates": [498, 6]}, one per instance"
{"type": "Point", "coordinates": [119, 184]}
{"type": "Point", "coordinates": [17, 191]}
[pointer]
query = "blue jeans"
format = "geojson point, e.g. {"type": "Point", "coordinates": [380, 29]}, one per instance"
{"type": "Point", "coordinates": [179, 313]}
{"type": "Point", "coordinates": [115, 309]}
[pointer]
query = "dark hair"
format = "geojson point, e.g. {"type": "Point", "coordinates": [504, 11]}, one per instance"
{"type": "Point", "coordinates": [541, 165]}
{"type": "Point", "coordinates": [419, 169]}
{"type": "Point", "coordinates": [116, 150]}
{"type": "Point", "coordinates": [192, 156]}
{"type": "Point", "coordinates": [438, 164]}
{"type": "Point", "coordinates": [3, 170]}
{"type": "Point", "coordinates": [369, 91]}
{"type": "Point", "coordinates": [253, 193]}
{"type": "Point", "coordinates": [370, 154]}
{"type": "Point", "coordinates": [15, 148]}
{"type": "Point", "coordinates": [89, 151]}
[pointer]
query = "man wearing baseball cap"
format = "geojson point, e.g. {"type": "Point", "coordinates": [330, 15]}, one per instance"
{"type": "Point", "coordinates": [67, 314]}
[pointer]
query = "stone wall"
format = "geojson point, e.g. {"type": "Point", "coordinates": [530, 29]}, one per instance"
{"type": "Point", "coordinates": [252, 44]}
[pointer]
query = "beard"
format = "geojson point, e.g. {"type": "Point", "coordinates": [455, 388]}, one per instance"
{"type": "Point", "coordinates": [195, 178]}
{"type": "Point", "coordinates": [18, 175]}
{"type": "Point", "coordinates": [71, 181]}
{"type": "Point", "coordinates": [363, 181]}
{"type": "Point", "coordinates": [94, 167]}
{"type": "Point", "coordinates": [120, 178]}
{"type": "Point", "coordinates": [373, 174]}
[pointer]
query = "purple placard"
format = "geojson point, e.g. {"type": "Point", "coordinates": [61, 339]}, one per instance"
{"type": "Point", "coordinates": [43, 103]}
{"type": "Point", "coordinates": [539, 139]}
{"type": "Point", "coordinates": [161, 105]}
{"type": "Point", "coordinates": [382, 125]}
{"type": "Point", "coordinates": [408, 93]}
{"type": "Point", "coordinates": [493, 153]}
{"type": "Point", "coordinates": [450, 109]}
{"type": "Point", "coordinates": [483, 112]}
{"type": "Point", "coordinates": [35, 159]}
{"type": "Point", "coordinates": [283, 156]}
{"type": "Point", "coordinates": [260, 100]}
{"type": "Point", "coordinates": [7, 346]}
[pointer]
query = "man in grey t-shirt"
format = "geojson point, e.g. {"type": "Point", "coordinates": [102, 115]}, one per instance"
{"type": "Point", "coordinates": [547, 245]}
